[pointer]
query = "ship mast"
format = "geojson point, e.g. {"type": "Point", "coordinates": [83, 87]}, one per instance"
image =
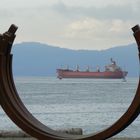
{"type": "Point", "coordinates": [113, 62]}
{"type": "Point", "coordinates": [98, 69]}
{"type": "Point", "coordinates": [77, 68]}
{"type": "Point", "coordinates": [67, 67]}
{"type": "Point", "coordinates": [87, 69]}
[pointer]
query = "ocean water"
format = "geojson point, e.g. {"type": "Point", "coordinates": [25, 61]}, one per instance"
{"type": "Point", "coordinates": [90, 104]}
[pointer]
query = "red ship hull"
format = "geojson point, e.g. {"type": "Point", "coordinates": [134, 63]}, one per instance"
{"type": "Point", "coordinates": [84, 74]}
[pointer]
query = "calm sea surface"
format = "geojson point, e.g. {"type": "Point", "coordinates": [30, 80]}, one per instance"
{"type": "Point", "coordinates": [86, 103]}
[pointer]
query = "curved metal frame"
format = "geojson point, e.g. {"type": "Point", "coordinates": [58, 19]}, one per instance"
{"type": "Point", "coordinates": [18, 113]}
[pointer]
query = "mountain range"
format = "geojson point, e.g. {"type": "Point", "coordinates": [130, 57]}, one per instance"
{"type": "Point", "coordinates": [37, 59]}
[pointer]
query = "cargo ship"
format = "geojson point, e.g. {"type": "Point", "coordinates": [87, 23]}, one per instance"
{"type": "Point", "coordinates": [112, 71]}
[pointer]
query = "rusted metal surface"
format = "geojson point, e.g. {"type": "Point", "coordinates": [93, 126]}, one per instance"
{"type": "Point", "coordinates": [18, 113]}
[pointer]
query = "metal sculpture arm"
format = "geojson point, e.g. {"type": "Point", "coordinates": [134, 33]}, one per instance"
{"type": "Point", "coordinates": [16, 110]}
{"type": "Point", "coordinates": [10, 100]}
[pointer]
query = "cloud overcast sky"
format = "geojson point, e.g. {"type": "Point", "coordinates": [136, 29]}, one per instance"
{"type": "Point", "coordinates": [76, 24]}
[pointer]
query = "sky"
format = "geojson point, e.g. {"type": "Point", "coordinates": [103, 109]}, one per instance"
{"type": "Point", "coordinates": [74, 24]}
